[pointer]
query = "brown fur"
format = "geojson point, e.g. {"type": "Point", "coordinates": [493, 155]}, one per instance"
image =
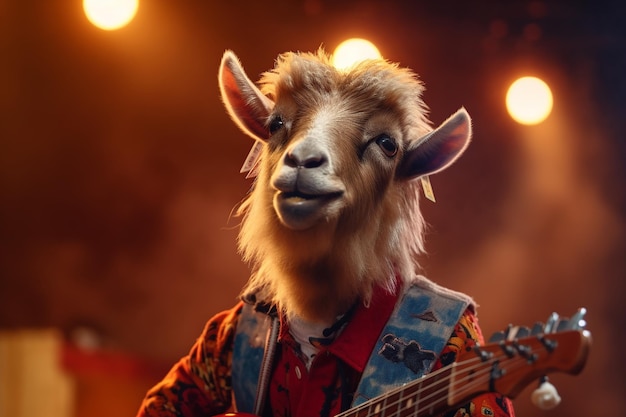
{"type": "Point", "coordinates": [319, 272]}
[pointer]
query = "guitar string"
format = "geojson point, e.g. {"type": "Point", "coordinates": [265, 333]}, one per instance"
{"type": "Point", "coordinates": [410, 385]}
{"type": "Point", "coordinates": [475, 379]}
{"type": "Point", "coordinates": [407, 387]}
{"type": "Point", "coordinates": [462, 385]}
{"type": "Point", "coordinates": [440, 386]}
{"type": "Point", "coordinates": [415, 384]}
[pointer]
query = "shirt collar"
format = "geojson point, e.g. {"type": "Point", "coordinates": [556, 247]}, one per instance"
{"type": "Point", "coordinates": [357, 340]}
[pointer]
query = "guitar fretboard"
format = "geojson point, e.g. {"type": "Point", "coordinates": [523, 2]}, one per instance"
{"type": "Point", "coordinates": [420, 398]}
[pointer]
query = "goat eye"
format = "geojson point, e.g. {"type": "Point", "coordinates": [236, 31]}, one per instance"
{"type": "Point", "coordinates": [275, 124]}
{"type": "Point", "coordinates": [387, 144]}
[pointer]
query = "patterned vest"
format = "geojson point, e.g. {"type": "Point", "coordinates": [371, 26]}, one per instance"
{"type": "Point", "coordinates": [413, 337]}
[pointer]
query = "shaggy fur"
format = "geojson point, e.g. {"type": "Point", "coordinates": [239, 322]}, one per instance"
{"type": "Point", "coordinates": [373, 237]}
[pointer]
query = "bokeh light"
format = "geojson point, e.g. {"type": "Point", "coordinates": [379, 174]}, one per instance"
{"type": "Point", "coordinates": [353, 50]}
{"type": "Point", "coordinates": [110, 14]}
{"type": "Point", "coordinates": [529, 100]}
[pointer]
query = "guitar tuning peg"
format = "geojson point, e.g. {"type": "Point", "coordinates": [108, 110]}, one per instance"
{"type": "Point", "coordinates": [522, 332]}
{"type": "Point", "coordinates": [562, 324]}
{"type": "Point", "coordinates": [537, 329]}
{"type": "Point", "coordinates": [551, 323]}
{"type": "Point", "coordinates": [545, 397]}
{"type": "Point", "coordinates": [507, 332]}
{"type": "Point", "coordinates": [577, 322]}
{"type": "Point", "coordinates": [497, 337]}
{"type": "Point", "coordinates": [501, 335]}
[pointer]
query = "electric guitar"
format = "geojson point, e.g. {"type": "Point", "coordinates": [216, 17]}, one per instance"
{"type": "Point", "coordinates": [512, 360]}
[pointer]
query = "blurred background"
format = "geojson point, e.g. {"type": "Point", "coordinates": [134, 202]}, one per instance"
{"type": "Point", "coordinates": [119, 170]}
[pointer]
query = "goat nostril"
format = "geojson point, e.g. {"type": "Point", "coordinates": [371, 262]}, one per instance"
{"type": "Point", "coordinates": [314, 162]}
{"type": "Point", "coordinates": [290, 160]}
{"type": "Point", "coordinates": [302, 160]}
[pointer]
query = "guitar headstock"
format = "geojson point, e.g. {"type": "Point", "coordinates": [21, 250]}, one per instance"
{"type": "Point", "coordinates": [553, 324]}
{"type": "Point", "coordinates": [518, 356]}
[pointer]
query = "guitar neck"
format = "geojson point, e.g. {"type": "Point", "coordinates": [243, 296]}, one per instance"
{"type": "Point", "coordinates": [420, 398]}
{"type": "Point", "coordinates": [505, 367]}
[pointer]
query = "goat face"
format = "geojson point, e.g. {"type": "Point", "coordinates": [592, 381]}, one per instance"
{"type": "Point", "coordinates": [306, 182]}
{"type": "Point", "coordinates": [332, 135]}
{"type": "Point", "coordinates": [334, 211]}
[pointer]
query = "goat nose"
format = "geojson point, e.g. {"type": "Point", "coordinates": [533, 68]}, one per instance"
{"type": "Point", "coordinates": [305, 156]}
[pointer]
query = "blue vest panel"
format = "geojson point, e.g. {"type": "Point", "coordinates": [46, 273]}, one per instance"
{"type": "Point", "coordinates": [248, 349]}
{"type": "Point", "coordinates": [410, 343]}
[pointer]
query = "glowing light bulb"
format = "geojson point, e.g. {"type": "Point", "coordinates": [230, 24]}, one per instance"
{"type": "Point", "coordinates": [110, 14]}
{"type": "Point", "coordinates": [353, 50]}
{"type": "Point", "coordinates": [529, 100]}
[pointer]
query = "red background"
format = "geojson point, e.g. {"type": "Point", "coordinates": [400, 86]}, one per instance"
{"type": "Point", "coordinates": [119, 167]}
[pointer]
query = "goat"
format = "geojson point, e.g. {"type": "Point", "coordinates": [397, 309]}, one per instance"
{"type": "Point", "coordinates": [334, 211]}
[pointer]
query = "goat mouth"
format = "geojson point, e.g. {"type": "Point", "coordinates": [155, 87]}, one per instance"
{"type": "Point", "coordinates": [296, 197]}
{"type": "Point", "coordinates": [298, 210]}
{"type": "Point", "coordinates": [299, 196]}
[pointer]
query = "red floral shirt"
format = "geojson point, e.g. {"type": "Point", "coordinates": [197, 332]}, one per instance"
{"type": "Point", "coordinates": [199, 384]}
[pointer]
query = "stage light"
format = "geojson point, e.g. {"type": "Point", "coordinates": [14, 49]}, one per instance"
{"type": "Point", "coordinates": [353, 50]}
{"type": "Point", "coordinates": [110, 14]}
{"type": "Point", "coordinates": [529, 100]}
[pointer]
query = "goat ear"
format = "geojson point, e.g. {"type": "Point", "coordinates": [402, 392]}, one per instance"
{"type": "Point", "coordinates": [438, 149]}
{"type": "Point", "coordinates": [245, 103]}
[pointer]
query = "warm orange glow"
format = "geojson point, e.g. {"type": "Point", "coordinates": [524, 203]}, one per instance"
{"type": "Point", "coordinates": [529, 100]}
{"type": "Point", "coordinates": [110, 14]}
{"type": "Point", "coordinates": [353, 50]}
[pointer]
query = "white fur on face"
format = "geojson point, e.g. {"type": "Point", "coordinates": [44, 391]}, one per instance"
{"type": "Point", "coordinates": [307, 187]}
